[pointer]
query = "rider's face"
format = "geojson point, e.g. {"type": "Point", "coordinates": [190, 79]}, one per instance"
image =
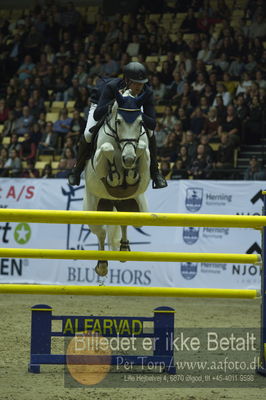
{"type": "Point", "coordinates": [136, 87]}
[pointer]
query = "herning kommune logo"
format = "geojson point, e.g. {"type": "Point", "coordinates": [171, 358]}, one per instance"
{"type": "Point", "coordinates": [190, 234]}
{"type": "Point", "coordinates": [194, 197]}
{"type": "Point", "coordinates": [22, 233]}
{"type": "Point", "coordinates": [189, 270]}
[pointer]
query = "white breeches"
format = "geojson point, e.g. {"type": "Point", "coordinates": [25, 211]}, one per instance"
{"type": "Point", "coordinates": [90, 123]}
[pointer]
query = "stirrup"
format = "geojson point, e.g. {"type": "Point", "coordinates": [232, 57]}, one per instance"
{"type": "Point", "coordinates": [159, 182]}
{"type": "Point", "coordinates": [73, 179]}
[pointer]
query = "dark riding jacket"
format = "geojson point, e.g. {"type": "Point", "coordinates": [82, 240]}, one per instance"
{"type": "Point", "coordinates": [107, 97]}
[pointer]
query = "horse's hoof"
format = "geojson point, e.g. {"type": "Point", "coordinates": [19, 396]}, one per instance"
{"type": "Point", "coordinates": [124, 246]}
{"type": "Point", "coordinates": [101, 268]}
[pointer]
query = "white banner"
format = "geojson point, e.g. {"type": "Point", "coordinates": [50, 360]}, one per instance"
{"type": "Point", "coordinates": [180, 196]}
{"type": "Point", "coordinates": [212, 197]}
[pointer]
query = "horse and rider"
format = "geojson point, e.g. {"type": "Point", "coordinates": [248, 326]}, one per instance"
{"type": "Point", "coordinates": [135, 82]}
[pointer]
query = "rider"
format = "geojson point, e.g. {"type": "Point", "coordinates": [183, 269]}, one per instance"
{"type": "Point", "coordinates": [135, 80]}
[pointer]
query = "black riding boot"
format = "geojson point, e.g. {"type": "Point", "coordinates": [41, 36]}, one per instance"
{"type": "Point", "coordinates": [84, 153]}
{"type": "Point", "coordinates": [158, 181]}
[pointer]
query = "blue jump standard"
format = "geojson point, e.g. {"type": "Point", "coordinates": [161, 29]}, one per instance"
{"type": "Point", "coordinates": [106, 326]}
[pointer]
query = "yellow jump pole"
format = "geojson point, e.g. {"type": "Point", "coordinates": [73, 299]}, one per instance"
{"type": "Point", "coordinates": [134, 219]}
{"type": "Point", "coordinates": [126, 291]}
{"type": "Point", "coordinates": [130, 256]}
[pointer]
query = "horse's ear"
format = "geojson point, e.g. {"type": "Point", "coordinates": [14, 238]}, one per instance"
{"type": "Point", "coordinates": [119, 98]}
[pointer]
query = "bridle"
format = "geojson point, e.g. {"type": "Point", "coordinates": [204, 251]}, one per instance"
{"type": "Point", "coordinates": [122, 143]}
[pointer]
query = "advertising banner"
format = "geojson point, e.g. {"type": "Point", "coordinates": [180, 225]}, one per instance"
{"type": "Point", "coordinates": [210, 197]}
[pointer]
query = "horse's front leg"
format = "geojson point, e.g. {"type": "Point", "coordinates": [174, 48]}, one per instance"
{"type": "Point", "coordinates": [105, 161]}
{"type": "Point", "coordinates": [102, 265]}
{"type": "Point", "coordinates": [124, 243]}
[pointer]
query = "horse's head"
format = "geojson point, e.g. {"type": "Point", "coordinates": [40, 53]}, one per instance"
{"type": "Point", "coordinates": [128, 127]}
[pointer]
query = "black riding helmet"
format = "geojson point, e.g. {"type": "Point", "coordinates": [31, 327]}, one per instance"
{"type": "Point", "coordinates": [135, 72]}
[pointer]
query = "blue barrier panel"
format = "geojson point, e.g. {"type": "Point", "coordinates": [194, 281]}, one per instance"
{"type": "Point", "coordinates": [162, 336]}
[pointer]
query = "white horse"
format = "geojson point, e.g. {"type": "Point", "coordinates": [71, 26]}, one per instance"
{"type": "Point", "coordinates": [118, 174]}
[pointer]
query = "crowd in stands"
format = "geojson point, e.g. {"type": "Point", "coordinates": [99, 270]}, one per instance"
{"type": "Point", "coordinates": [206, 62]}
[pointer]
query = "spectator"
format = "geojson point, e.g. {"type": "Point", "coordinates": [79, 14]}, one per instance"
{"type": "Point", "coordinates": [204, 54]}
{"type": "Point", "coordinates": [96, 68]}
{"type": "Point", "coordinates": [224, 156]}
{"type": "Point", "coordinates": [179, 45]}
{"type": "Point", "coordinates": [242, 113]}
{"type": "Point", "coordinates": [32, 42]}
{"type": "Point", "coordinates": [231, 125]}
{"type": "Point", "coordinates": [110, 66]}
{"type": "Point", "coordinates": [69, 142]}
{"type": "Point", "coordinates": [256, 48]}
{"type": "Point", "coordinates": [221, 109]}
{"type": "Point", "coordinates": [240, 48]}
{"type": "Point", "coordinates": [10, 97]}
{"type": "Point", "coordinates": [9, 124]}
{"type": "Point", "coordinates": [14, 144]}
{"type": "Point", "coordinates": [251, 65]}
{"type": "Point", "coordinates": [229, 84]}
{"type": "Point", "coordinates": [253, 171]}
{"type": "Point", "coordinates": [222, 63]}
{"type": "Point", "coordinates": [165, 168]}
{"type": "Point", "coordinates": [260, 79]}
{"type": "Point", "coordinates": [166, 74]}
{"type": "Point", "coordinates": [159, 89]}
{"type": "Point", "coordinates": [28, 148]}
{"type": "Point", "coordinates": [66, 163]}
{"type": "Point", "coordinates": [3, 111]}
{"type": "Point", "coordinates": [199, 85]}
{"type": "Point", "coordinates": [30, 171]}
{"type": "Point", "coordinates": [77, 126]}
{"type": "Point", "coordinates": [254, 124]}
{"type": "Point", "coordinates": [42, 66]}
{"type": "Point", "coordinates": [24, 123]}
{"type": "Point", "coordinates": [197, 120]}
{"type": "Point", "coordinates": [36, 133]}
{"type": "Point", "coordinates": [170, 148]}
{"type": "Point", "coordinates": [3, 159]}
{"type": "Point", "coordinates": [209, 93]}
{"type": "Point", "coordinates": [183, 118]}
{"type": "Point", "coordinates": [245, 84]}
{"type": "Point", "coordinates": [82, 99]}
{"type": "Point", "coordinates": [222, 92]}
{"type": "Point", "coordinates": [26, 69]}
{"type": "Point", "coordinates": [81, 75]}
{"type": "Point", "coordinates": [200, 166]}
{"type": "Point", "coordinates": [48, 141]}
{"type": "Point", "coordinates": [168, 119]}
{"type": "Point", "coordinates": [178, 171]}
{"type": "Point", "coordinates": [175, 90]}
{"type": "Point", "coordinates": [236, 67]}
{"type": "Point", "coordinates": [204, 106]}
{"type": "Point", "coordinates": [189, 24]}
{"type": "Point", "coordinates": [13, 165]}
{"type": "Point", "coordinates": [191, 144]}
{"type": "Point", "coordinates": [208, 148]}
{"type": "Point", "coordinates": [62, 125]}
{"type": "Point", "coordinates": [258, 28]}
{"type": "Point", "coordinates": [160, 135]}
{"type": "Point", "coordinates": [47, 172]}
{"type": "Point", "coordinates": [211, 124]}
{"type": "Point", "coordinates": [183, 156]}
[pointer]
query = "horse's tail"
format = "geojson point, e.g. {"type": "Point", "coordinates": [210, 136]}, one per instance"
{"type": "Point", "coordinates": [113, 237]}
